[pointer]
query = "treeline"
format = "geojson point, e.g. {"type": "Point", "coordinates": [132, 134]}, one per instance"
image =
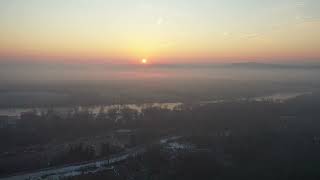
{"type": "Point", "coordinates": [282, 133]}
{"type": "Point", "coordinates": [244, 140]}
{"type": "Point", "coordinates": [240, 117]}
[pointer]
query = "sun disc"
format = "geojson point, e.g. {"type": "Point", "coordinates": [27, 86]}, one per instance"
{"type": "Point", "coordinates": [144, 61]}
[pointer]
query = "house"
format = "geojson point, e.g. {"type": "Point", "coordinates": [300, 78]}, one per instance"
{"type": "Point", "coordinates": [4, 121]}
{"type": "Point", "coordinates": [8, 121]}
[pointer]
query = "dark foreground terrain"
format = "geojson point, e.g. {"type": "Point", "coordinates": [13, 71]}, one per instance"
{"type": "Point", "coordinates": [222, 140]}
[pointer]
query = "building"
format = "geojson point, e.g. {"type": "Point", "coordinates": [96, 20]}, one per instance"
{"type": "Point", "coordinates": [4, 121]}
{"type": "Point", "coordinates": [8, 121]}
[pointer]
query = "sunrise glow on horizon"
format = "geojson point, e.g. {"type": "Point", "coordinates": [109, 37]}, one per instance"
{"type": "Point", "coordinates": [167, 31]}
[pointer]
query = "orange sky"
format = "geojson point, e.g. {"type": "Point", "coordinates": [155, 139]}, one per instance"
{"type": "Point", "coordinates": [126, 31]}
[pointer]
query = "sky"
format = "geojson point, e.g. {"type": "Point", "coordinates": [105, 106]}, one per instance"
{"type": "Point", "coordinates": [162, 31]}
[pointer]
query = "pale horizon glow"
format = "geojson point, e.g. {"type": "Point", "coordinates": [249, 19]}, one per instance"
{"type": "Point", "coordinates": [167, 31]}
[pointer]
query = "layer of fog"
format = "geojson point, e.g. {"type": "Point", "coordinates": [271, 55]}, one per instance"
{"type": "Point", "coordinates": [61, 84]}
{"type": "Point", "coordinates": [54, 72]}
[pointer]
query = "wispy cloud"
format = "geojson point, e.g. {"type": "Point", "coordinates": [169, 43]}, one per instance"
{"type": "Point", "coordinates": [160, 20]}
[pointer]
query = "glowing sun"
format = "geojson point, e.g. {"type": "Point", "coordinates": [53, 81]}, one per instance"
{"type": "Point", "coordinates": [144, 61]}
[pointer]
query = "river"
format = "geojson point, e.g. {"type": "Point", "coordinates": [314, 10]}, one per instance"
{"type": "Point", "coordinates": [15, 112]}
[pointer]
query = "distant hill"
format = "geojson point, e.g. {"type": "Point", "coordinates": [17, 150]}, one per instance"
{"type": "Point", "coordinates": [242, 65]}
{"type": "Point", "coordinates": [278, 66]}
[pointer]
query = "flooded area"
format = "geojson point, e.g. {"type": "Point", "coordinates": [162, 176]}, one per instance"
{"type": "Point", "coordinates": [16, 112]}
{"type": "Point", "coordinates": [281, 96]}
{"type": "Point", "coordinates": [92, 109]}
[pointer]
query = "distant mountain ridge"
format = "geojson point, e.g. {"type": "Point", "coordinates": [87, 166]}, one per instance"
{"type": "Point", "coordinates": [243, 65]}
{"type": "Point", "coordinates": [281, 66]}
